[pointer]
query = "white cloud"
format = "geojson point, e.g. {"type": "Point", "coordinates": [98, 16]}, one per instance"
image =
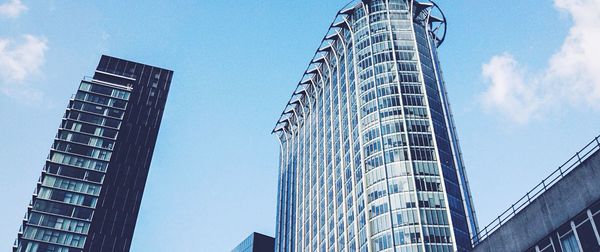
{"type": "Point", "coordinates": [572, 77]}
{"type": "Point", "coordinates": [510, 93]}
{"type": "Point", "coordinates": [12, 9]}
{"type": "Point", "coordinates": [18, 61]}
{"type": "Point", "coordinates": [24, 94]}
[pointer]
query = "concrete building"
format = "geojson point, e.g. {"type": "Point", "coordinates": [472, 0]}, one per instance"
{"type": "Point", "coordinates": [561, 214]}
{"type": "Point", "coordinates": [90, 190]}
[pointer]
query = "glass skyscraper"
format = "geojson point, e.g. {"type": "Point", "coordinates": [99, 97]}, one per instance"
{"type": "Point", "coordinates": [91, 187]}
{"type": "Point", "coordinates": [369, 159]}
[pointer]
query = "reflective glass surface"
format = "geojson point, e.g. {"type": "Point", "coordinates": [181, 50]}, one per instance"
{"type": "Point", "coordinates": [369, 158]}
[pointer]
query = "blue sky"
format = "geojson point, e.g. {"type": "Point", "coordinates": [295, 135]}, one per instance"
{"type": "Point", "coordinates": [520, 77]}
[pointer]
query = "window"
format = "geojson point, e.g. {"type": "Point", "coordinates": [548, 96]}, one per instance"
{"type": "Point", "coordinates": [80, 227]}
{"type": "Point", "coordinates": [34, 218]}
{"type": "Point", "coordinates": [109, 133]}
{"type": "Point", "coordinates": [78, 138]}
{"type": "Point", "coordinates": [66, 171]}
{"type": "Point", "coordinates": [101, 90]}
{"type": "Point", "coordinates": [96, 99]}
{"type": "Point", "coordinates": [569, 243]}
{"type": "Point", "coordinates": [586, 235]}
{"type": "Point", "coordinates": [77, 241]}
{"type": "Point", "coordinates": [32, 246]}
{"type": "Point", "coordinates": [382, 242]}
{"type": "Point", "coordinates": [90, 118]}
{"type": "Point", "coordinates": [120, 94]}
{"type": "Point", "coordinates": [78, 161]}
{"type": "Point", "coordinates": [52, 207]}
{"type": "Point", "coordinates": [112, 123]}
{"type": "Point", "coordinates": [95, 176]}
{"type": "Point", "coordinates": [85, 86]}
{"type": "Point", "coordinates": [93, 189]}
{"type": "Point", "coordinates": [84, 128]}
{"type": "Point", "coordinates": [119, 104]}
{"type": "Point", "coordinates": [115, 113]}
{"type": "Point", "coordinates": [83, 213]}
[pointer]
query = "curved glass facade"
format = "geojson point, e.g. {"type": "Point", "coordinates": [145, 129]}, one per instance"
{"type": "Point", "coordinates": [369, 155]}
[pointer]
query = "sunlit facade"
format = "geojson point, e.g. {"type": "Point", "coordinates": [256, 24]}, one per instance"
{"type": "Point", "coordinates": [369, 155]}
{"type": "Point", "coordinates": [91, 187]}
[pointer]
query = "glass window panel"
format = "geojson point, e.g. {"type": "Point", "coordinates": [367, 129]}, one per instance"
{"type": "Point", "coordinates": [112, 123]}
{"type": "Point", "coordinates": [85, 86]}
{"type": "Point", "coordinates": [83, 213]}
{"type": "Point", "coordinates": [95, 176]}
{"type": "Point", "coordinates": [71, 172]}
{"type": "Point", "coordinates": [556, 243]}
{"type": "Point", "coordinates": [569, 243]}
{"type": "Point", "coordinates": [101, 89]}
{"type": "Point", "coordinates": [119, 104]}
{"type": "Point", "coordinates": [587, 237]}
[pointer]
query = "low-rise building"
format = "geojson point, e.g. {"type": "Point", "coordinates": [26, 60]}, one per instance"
{"type": "Point", "coordinates": [561, 214]}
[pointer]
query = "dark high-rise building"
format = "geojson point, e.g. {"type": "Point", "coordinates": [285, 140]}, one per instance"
{"type": "Point", "coordinates": [370, 159]}
{"type": "Point", "coordinates": [89, 194]}
{"type": "Point", "coordinates": [256, 243]}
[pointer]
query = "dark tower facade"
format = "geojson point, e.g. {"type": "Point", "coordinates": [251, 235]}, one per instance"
{"type": "Point", "coordinates": [89, 194]}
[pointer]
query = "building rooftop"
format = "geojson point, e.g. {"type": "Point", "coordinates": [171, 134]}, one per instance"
{"type": "Point", "coordinates": [560, 196]}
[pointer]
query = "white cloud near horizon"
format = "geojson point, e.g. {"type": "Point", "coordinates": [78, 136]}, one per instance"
{"type": "Point", "coordinates": [12, 9]}
{"type": "Point", "coordinates": [572, 77]}
{"type": "Point", "coordinates": [18, 60]}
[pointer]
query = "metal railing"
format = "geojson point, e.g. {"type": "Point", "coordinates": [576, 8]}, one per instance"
{"type": "Point", "coordinates": [548, 182]}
